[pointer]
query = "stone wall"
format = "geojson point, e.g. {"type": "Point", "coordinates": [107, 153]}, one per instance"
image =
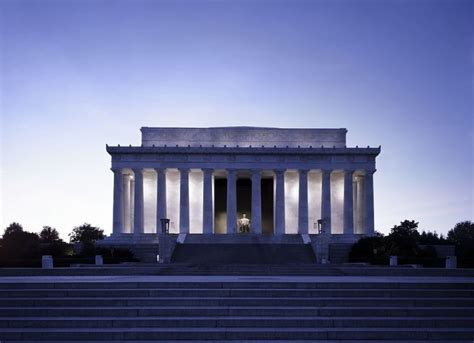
{"type": "Point", "coordinates": [243, 136]}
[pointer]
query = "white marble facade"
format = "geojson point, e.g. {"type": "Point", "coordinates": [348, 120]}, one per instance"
{"type": "Point", "coordinates": [173, 175]}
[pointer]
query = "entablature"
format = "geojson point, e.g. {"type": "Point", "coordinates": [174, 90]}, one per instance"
{"type": "Point", "coordinates": [189, 150]}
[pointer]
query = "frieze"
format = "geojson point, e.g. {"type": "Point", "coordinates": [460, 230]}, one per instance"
{"type": "Point", "coordinates": [360, 158]}
{"type": "Point", "coordinates": [339, 159]}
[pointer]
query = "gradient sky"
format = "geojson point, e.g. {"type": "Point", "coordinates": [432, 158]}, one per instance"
{"type": "Point", "coordinates": [76, 75]}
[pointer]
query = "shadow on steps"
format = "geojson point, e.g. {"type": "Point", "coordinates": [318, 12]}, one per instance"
{"type": "Point", "coordinates": [243, 253]}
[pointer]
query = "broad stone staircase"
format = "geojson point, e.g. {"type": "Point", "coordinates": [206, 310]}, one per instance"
{"type": "Point", "coordinates": [243, 249]}
{"type": "Point", "coordinates": [244, 308]}
{"type": "Point", "coordinates": [243, 253]}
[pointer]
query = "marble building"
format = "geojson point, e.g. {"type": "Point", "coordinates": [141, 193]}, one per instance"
{"type": "Point", "coordinates": [206, 180]}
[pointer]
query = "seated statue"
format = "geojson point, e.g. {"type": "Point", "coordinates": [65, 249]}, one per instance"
{"type": "Point", "coordinates": [244, 224]}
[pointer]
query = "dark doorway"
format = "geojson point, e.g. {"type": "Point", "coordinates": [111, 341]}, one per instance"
{"type": "Point", "coordinates": [220, 205]}
{"type": "Point", "coordinates": [244, 198]}
{"type": "Point", "coordinates": [244, 203]}
{"type": "Point", "coordinates": [267, 206]}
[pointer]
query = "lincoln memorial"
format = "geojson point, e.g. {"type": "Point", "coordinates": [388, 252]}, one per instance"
{"type": "Point", "coordinates": [242, 180]}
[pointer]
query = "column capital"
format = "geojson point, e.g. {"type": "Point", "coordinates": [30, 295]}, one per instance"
{"type": "Point", "coordinates": [327, 171]}
{"type": "Point", "coordinates": [160, 170]}
{"type": "Point", "coordinates": [137, 170]}
{"type": "Point", "coordinates": [183, 170]}
{"type": "Point", "coordinates": [116, 170]}
{"type": "Point", "coordinates": [256, 172]}
{"type": "Point", "coordinates": [208, 171]}
{"type": "Point", "coordinates": [369, 171]}
{"type": "Point", "coordinates": [231, 172]}
{"type": "Point", "coordinates": [303, 171]}
{"type": "Point", "coordinates": [349, 170]}
{"type": "Point", "coordinates": [279, 171]}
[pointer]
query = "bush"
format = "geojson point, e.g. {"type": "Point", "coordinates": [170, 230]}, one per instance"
{"type": "Point", "coordinates": [369, 249]}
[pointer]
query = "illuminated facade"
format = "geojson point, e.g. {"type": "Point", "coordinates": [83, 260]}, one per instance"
{"type": "Point", "coordinates": [204, 180]}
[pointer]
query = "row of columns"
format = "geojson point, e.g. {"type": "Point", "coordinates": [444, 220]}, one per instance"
{"type": "Point", "coordinates": [256, 205]}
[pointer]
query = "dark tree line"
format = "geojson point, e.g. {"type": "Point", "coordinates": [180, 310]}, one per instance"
{"type": "Point", "coordinates": [20, 248]}
{"type": "Point", "coordinates": [406, 242]}
{"type": "Point", "coordinates": [16, 243]}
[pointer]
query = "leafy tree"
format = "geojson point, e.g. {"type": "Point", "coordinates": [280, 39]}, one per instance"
{"type": "Point", "coordinates": [462, 233]}
{"type": "Point", "coordinates": [17, 243]}
{"type": "Point", "coordinates": [431, 238]}
{"type": "Point", "coordinates": [462, 236]}
{"type": "Point", "coordinates": [12, 229]}
{"type": "Point", "coordinates": [406, 228]}
{"type": "Point", "coordinates": [86, 233]}
{"type": "Point", "coordinates": [402, 240]}
{"type": "Point", "coordinates": [49, 235]}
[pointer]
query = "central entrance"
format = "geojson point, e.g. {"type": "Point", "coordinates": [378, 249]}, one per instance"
{"type": "Point", "coordinates": [244, 203]}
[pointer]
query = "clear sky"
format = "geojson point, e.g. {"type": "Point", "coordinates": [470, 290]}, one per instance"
{"type": "Point", "coordinates": [76, 75]}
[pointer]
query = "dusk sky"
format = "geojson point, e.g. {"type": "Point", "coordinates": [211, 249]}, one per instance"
{"type": "Point", "coordinates": [76, 75]}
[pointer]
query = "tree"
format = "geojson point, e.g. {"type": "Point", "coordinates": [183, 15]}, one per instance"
{"type": "Point", "coordinates": [462, 236]}
{"type": "Point", "coordinates": [86, 233]}
{"type": "Point", "coordinates": [49, 235]}
{"type": "Point", "coordinates": [406, 228]}
{"type": "Point", "coordinates": [431, 238]}
{"type": "Point", "coordinates": [17, 243]}
{"type": "Point", "coordinates": [402, 240]}
{"type": "Point", "coordinates": [13, 228]}
{"type": "Point", "coordinates": [462, 233]}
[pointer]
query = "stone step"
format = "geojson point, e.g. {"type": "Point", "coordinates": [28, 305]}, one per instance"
{"type": "Point", "coordinates": [251, 253]}
{"type": "Point", "coordinates": [233, 321]}
{"type": "Point", "coordinates": [248, 238]}
{"type": "Point", "coordinates": [264, 340]}
{"type": "Point", "coordinates": [20, 334]}
{"type": "Point", "coordinates": [241, 292]}
{"type": "Point", "coordinates": [238, 301]}
{"type": "Point", "coordinates": [259, 310]}
{"type": "Point", "coordinates": [262, 283]}
{"type": "Point", "coordinates": [209, 292]}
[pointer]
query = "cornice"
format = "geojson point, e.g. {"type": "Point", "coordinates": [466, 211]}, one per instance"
{"type": "Point", "coordinates": [113, 150]}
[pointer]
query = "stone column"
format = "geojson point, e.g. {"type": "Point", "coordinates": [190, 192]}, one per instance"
{"type": "Point", "coordinates": [360, 205]}
{"type": "Point", "coordinates": [348, 202]}
{"type": "Point", "coordinates": [280, 202]}
{"type": "Point", "coordinates": [326, 200]}
{"type": "Point", "coordinates": [303, 202]}
{"type": "Point", "coordinates": [184, 201]}
{"type": "Point", "coordinates": [256, 224]}
{"type": "Point", "coordinates": [138, 227]}
{"type": "Point", "coordinates": [127, 210]}
{"type": "Point", "coordinates": [160, 197]}
{"type": "Point", "coordinates": [117, 227]}
{"type": "Point", "coordinates": [369, 202]}
{"type": "Point", "coordinates": [231, 201]}
{"type": "Point", "coordinates": [208, 215]}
